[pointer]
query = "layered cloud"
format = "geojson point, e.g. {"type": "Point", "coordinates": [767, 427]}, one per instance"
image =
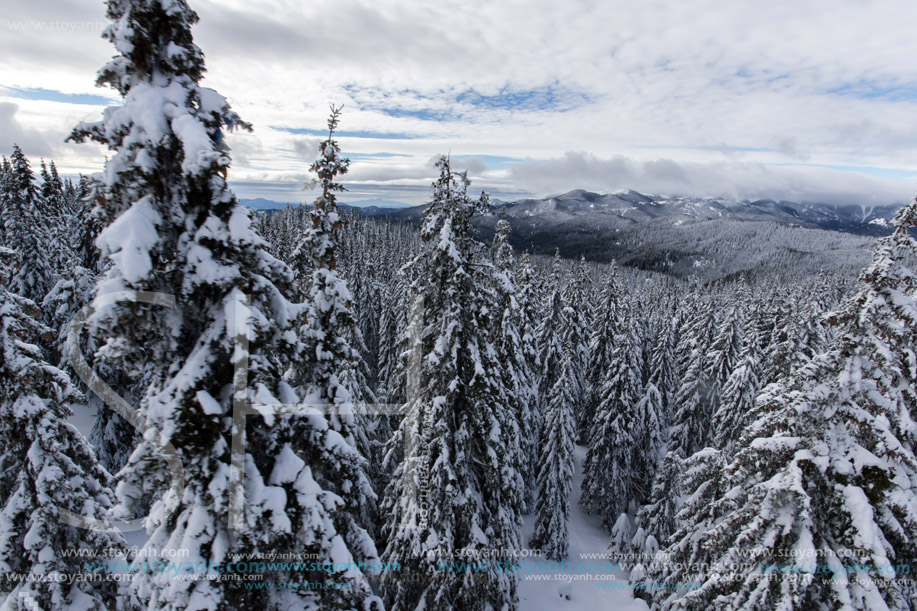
{"type": "Point", "coordinates": [705, 97]}
{"type": "Point", "coordinates": [718, 179]}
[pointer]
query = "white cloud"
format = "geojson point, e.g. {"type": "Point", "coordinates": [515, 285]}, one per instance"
{"type": "Point", "coordinates": [31, 141]}
{"type": "Point", "coordinates": [718, 179]}
{"type": "Point", "coordinates": [245, 147]}
{"type": "Point", "coordinates": [822, 82]}
{"type": "Point", "coordinates": [307, 147]}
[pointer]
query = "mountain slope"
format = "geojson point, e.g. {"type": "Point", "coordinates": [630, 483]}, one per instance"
{"type": "Point", "coordinates": [687, 235]}
{"type": "Point", "coordinates": [710, 237]}
{"type": "Point", "coordinates": [626, 208]}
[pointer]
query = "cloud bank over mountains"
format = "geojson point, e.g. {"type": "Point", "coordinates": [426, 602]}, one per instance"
{"type": "Point", "coordinates": [714, 179]}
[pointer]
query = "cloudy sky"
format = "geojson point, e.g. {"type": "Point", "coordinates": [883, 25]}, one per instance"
{"type": "Point", "coordinates": [796, 99]}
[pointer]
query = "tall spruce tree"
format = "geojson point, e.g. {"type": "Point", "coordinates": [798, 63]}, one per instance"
{"type": "Point", "coordinates": [332, 376]}
{"type": "Point", "coordinates": [601, 351]}
{"type": "Point", "coordinates": [609, 475]}
{"type": "Point", "coordinates": [649, 442]}
{"type": "Point", "coordinates": [657, 520]}
{"type": "Point", "coordinates": [392, 323]}
{"type": "Point", "coordinates": [85, 227]}
{"type": "Point", "coordinates": [25, 230]}
{"type": "Point", "coordinates": [722, 356]}
{"type": "Point", "coordinates": [782, 344]}
{"type": "Point", "coordinates": [515, 353]}
{"type": "Point", "coordinates": [691, 412]}
{"type": "Point", "coordinates": [556, 464]}
{"type": "Point", "coordinates": [577, 295]}
{"type": "Point", "coordinates": [663, 374]}
{"type": "Point", "coordinates": [456, 490]}
{"type": "Point", "coordinates": [550, 331]}
{"type": "Point", "coordinates": [530, 429]}
{"type": "Point", "coordinates": [56, 219]}
{"type": "Point", "coordinates": [174, 227]}
{"type": "Point", "coordinates": [737, 401]}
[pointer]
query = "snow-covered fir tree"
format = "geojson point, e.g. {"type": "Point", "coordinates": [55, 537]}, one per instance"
{"type": "Point", "coordinates": [737, 400]}
{"type": "Point", "coordinates": [663, 374]}
{"type": "Point", "coordinates": [657, 519]}
{"type": "Point", "coordinates": [174, 227]}
{"type": "Point", "coordinates": [85, 226]}
{"type": "Point", "coordinates": [701, 475]}
{"type": "Point", "coordinates": [690, 417]}
{"type": "Point", "coordinates": [456, 490]}
{"type": "Point", "coordinates": [601, 351]}
{"type": "Point", "coordinates": [649, 442]}
{"type": "Point", "coordinates": [608, 474]}
{"type": "Point", "coordinates": [332, 376]}
{"type": "Point", "coordinates": [550, 331]}
{"type": "Point", "coordinates": [515, 349]}
{"type": "Point", "coordinates": [782, 344]}
{"type": "Point", "coordinates": [392, 322]}
{"type": "Point", "coordinates": [530, 428]}
{"type": "Point", "coordinates": [691, 414]}
{"type": "Point", "coordinates": [817, 508]}
{"type": "Point", "coordinates": [555, 466]}
{"type": "Point", "coordinates": [46, 466]}
{"type": "Point", "coordinates": [25, 229]}
{"type": "Point", "coordinates": [578, 329]}
{"type": "Point", "coordinates": [57, 220]}
{"type": "Point", "coordinates": [6, 189]}
{"type": "Point", "coordinates": [722, 356]}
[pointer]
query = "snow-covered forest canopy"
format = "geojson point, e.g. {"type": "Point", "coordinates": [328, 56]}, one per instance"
{"type": "Point", "coordinates": [206, 407]}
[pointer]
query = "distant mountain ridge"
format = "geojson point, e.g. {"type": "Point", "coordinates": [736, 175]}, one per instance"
{"type": "Point", "coordinates": [681, 235]}
{"type": "Point", "coordinates": [260, 203]}
{"type": "Point", "coordinates": [368, 207]}
{"type": "Point", "coordinates": [625, 208]}
{"type": "Point", "coordinates": [712, 237]}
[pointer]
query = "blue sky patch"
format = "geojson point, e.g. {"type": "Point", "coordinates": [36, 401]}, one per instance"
{"type": "Point", "coordinates": [552, 98]}
{"type": "Point", "coordinates": [346, 134]}
{"type": "Point", "coordinates": [51, 95]}
{"type": "Point", "coordinates": [493, 162]}
{"type": "Point", "coordinates": [447, 105]}
{"type": "Point", "coordinates": [866, 90]}
{"type": "Point", "coordinates": [422, 114]}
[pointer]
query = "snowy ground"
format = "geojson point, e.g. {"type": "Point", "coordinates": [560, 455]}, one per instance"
{"type": "Point", "coordinates": [588, 545]}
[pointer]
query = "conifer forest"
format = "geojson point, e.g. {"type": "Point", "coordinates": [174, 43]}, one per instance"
{"type": "Point", "coordinates": [209, 406]}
